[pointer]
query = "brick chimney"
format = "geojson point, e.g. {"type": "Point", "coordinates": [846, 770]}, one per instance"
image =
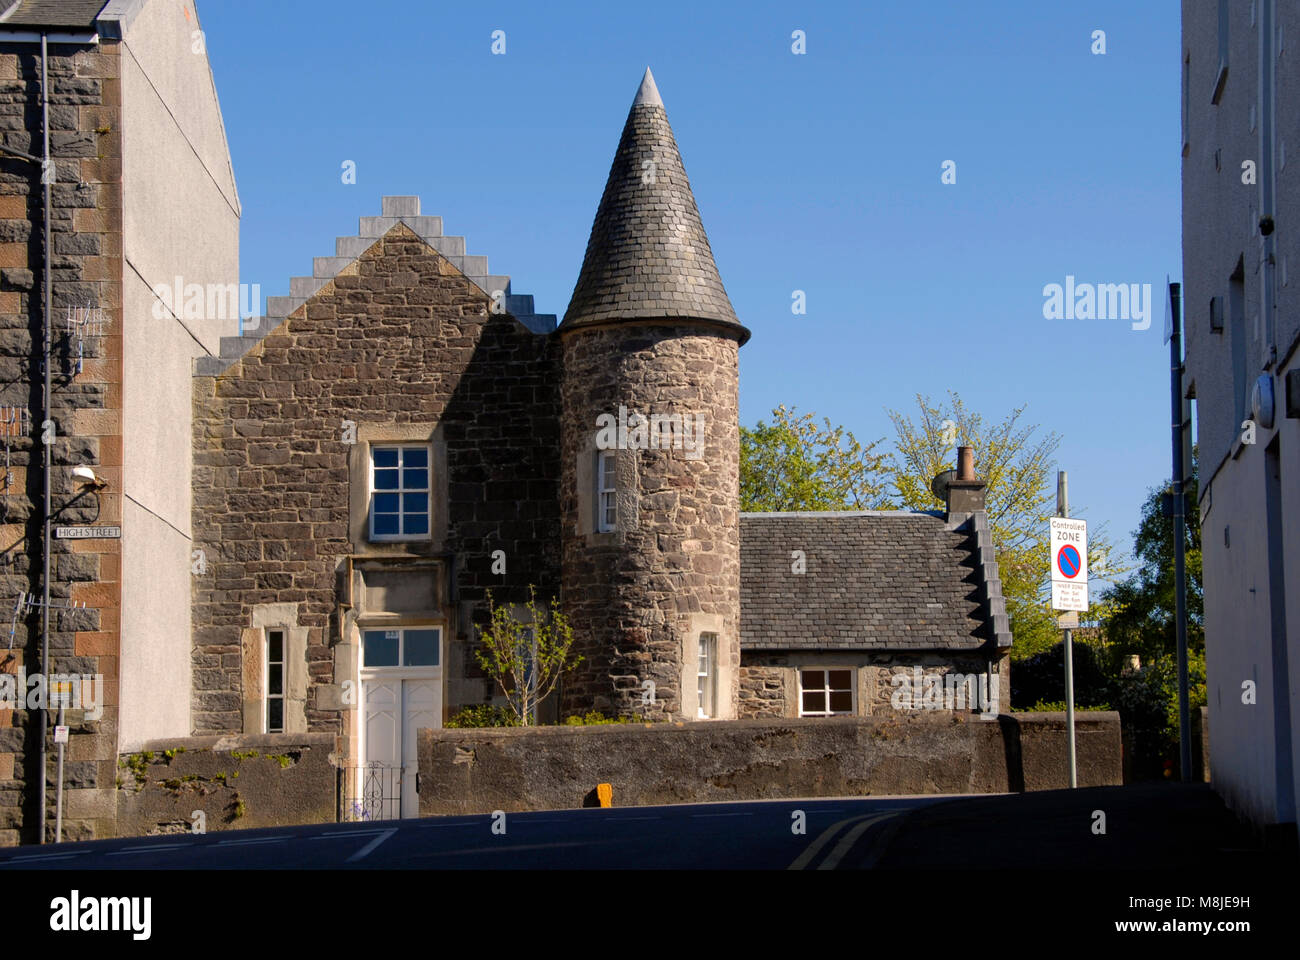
{"type": "Point", "coordinates": [965, 492]}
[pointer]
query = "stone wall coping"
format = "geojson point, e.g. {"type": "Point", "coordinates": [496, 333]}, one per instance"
{"type": "Point", "coordinates": [892, 514]}
{"type": "Point", "coordinates": [1090, 718]}
{"type": "Point", "coordinates": [239, 741]}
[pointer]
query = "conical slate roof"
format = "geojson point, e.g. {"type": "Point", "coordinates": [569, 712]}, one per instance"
{"type": "Point", "coordinates": [648, 256]}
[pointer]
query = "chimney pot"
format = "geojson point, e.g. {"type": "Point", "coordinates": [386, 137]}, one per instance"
{"type": "Point", "coordinates": [965, 463]}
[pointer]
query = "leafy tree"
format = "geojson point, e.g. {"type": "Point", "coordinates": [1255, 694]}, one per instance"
{"type": "Point", "coordinates": [1141, 621]}
{"type": "Point", "coordinates": [793, 464]}
{"type": "Point", "coordinates": [526, 657]}
{"type": "Point", "coordinates": [1019, 469]}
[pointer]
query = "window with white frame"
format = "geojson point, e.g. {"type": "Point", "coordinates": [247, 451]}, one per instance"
{"type": "Point", "coordinates": [399, 492]}
{"type": "Point", "coordinates": [274, 681]}
{"type": "Point", "coordinates": [707, 677]}
{"type": "Point", "coordinates": [606, 491]}
{"type": "Point", "coordinates": [401, 647]}
{"type": "Point", "coordinates": [826, 692]}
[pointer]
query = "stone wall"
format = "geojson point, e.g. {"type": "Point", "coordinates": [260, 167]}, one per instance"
{"type": "Point", "coordinates": [477, 771]}
{"type": "Point", "coordinates": [639, 596]}
{"type": "Point", "coordinates": [398, 341]}
{"type": "Point", "coordinates": [239, 783]}
{"type": "Point", "coordinates": [86, 269]}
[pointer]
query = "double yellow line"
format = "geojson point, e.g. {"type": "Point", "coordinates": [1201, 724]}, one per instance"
{"type": "Point", "coordinates": [838, 852]}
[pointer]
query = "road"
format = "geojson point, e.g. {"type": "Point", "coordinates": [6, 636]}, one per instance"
{"type": "Point", "coordinates": [837, 834]}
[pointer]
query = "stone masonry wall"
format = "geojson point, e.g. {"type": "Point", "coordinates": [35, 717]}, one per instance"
{"type": "Point", "coordinates": [554, 768]}
{"type": "Point", "coordinates": [398, 337]}
{"type": "Point", "coordinates": [86, 267]}
{"type": "Point", "coordinates": [630, 595]}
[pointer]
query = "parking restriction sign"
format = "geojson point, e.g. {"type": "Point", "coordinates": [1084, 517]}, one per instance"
{"type": "Point", "coordinates": [1069, 545]}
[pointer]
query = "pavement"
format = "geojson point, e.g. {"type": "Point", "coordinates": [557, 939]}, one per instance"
{"type": "Point", "coordinates": [1168, 826]}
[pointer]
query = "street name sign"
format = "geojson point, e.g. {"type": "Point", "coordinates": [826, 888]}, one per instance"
{"type": "Point", "coordinates": [88, 533]}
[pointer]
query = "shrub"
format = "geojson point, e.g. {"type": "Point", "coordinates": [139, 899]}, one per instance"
{"type": "Point", "coordinates": [593, 718]}
{"type": "Point", "coordinates": [1048, 706]}
{"type": "Point", "coordinates": [483, 715]}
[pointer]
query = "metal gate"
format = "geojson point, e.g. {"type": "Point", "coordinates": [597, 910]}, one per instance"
{"type": "Point", "coordinates": [372, 792]}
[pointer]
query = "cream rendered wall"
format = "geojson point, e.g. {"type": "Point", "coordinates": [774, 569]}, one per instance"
{"type": "Point", "coordinates": [180, 218]}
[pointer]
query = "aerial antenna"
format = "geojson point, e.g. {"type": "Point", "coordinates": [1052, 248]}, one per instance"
{"type": "Point", "coordinates": [83, 323]}
{"type": "Point", "coordinates": [14, 422]}
{"type": "Point", "coordinates": [27, 602]}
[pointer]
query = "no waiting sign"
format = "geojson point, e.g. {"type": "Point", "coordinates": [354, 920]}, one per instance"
{"type": "Point", "coordinates": [1069, 564]}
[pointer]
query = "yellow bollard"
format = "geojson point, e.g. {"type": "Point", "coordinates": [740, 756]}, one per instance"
{"type": "Point", "coordinates": [605, 794]}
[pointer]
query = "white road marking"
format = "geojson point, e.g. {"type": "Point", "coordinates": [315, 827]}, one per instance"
{"type": "Point", "coordinates": [45, 856]}
{"type": "Point", "coordinates": [349, 833]}
{"type": "Point", "coordinates": [369, 847]}
{"type": "Point", "coordinates": [162, 846]}
{"type": "Point", "coordinates": [236, 843]}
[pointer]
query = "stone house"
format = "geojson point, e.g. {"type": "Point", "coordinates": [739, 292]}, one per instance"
{"type": "Point", "coordinates": [141, 191]}
{"type": "Point", "coordinates": [404, 434]}
{"type": "Point", "coordinates": [315, 504]}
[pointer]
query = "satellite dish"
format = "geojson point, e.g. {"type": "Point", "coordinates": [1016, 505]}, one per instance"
{"type": "Point", "coordinates": [939, 485]}
{"type": "Point", "coordinates": [1261, 401]}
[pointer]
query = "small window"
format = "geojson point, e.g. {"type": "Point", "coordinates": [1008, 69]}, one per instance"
{"type": "Point", "coordinates": [403, 647]}
{"type": "Point", "coordinates": [399, 498]}
{"type": "Point", "coordinates": [1187, 102]}
{"type": "Point", "coordinates": [275, 681]}
{"type": "Point", "coordinates": [707, 677]}
{"type": "Point", "coordinates": [825, 693]}
{"type": "Point", "coordinates": [606, 492]}
{"type": "Point", "coordinates": [1221, 75]}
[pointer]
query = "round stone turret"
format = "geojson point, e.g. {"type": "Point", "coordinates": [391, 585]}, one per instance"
{"type": "Point", "coordinates": [650, 446]}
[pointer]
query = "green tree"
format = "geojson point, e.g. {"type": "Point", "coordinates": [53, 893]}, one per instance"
{"type": "Point", "coordinates": [1141, 618]}
{"type": "Point", "coordinates": [526, 657]}
{"type": "Point", "coordinates": [1017, 464]}
{"type": "Point", "coordinates": [793, 464]}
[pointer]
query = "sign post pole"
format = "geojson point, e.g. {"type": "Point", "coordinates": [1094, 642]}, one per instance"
{"type": "Point", "coordinates": [1063, 510]}
{"type": "Point", "coordinates": [1069, 546]}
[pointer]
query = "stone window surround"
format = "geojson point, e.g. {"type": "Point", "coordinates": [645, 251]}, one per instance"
{"type": "Point", "coordinates": [826, 668]}
{"type": "Point", "coordinates": [725, 703]}
{"type": "Point", "coordinates": [267, 617]}
{"type": "Point", "coordinates": [627, 510]}
{"type": "Point", "coordinates": [401, 491]}
{"type": "Point", "coordinates": [380, 434]}
{"type": "Point", "coordinates": [267, 695]}
{"type": "Point", "coordinates": [602, 524]}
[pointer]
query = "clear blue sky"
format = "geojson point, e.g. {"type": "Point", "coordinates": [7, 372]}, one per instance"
{"type": "Point", "coordinates": [818, 172]}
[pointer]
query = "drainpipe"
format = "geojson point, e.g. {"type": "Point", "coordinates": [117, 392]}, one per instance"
{"type": "Point", "coordinates": [47, 173]}
{"type": "Point", "coordinates": [1267, 176]}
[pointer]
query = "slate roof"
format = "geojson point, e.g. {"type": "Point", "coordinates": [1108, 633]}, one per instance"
{"type": "Point", "coordinates": [877, 580]}
{"type": "Point", "coordinates": [648, 256]}
{"type": "Point", "coordinates": [50, 13]}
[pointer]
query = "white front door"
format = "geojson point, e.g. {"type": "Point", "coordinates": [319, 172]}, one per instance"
{"type": "Point", "coordinates": [399, 696]}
